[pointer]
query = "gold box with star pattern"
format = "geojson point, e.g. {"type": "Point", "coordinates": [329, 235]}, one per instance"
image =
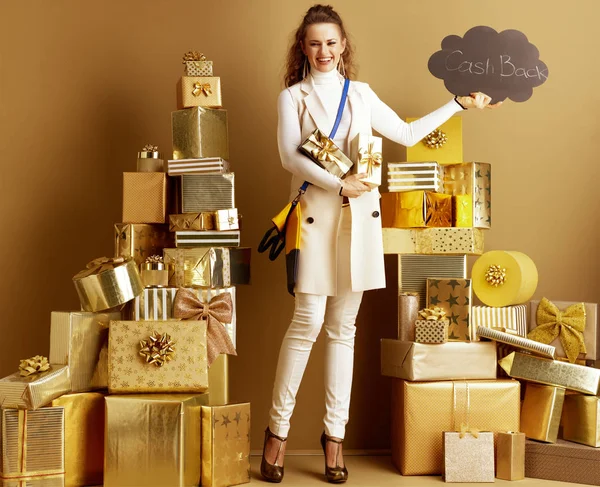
{"type": "Point", "coordinates": [471, 185]}
{"type": "Point", "coordinates": [157, 356]}
{"type": "Point", "coordinates": [140, 241]}
{"type": "Point", "coordinates": [153, 440]}
{"type": "Point", "coordinates": [453, 296]}
{"type": "Point", "coordinates": [225, 445]}
{"type": "Point", "coordinates": [433, 241]}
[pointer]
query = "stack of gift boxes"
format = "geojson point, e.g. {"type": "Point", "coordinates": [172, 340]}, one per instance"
{"type": "Point", "coordinates": [468, 384]}
{"type": "Point", "coordinates": [135, 388]}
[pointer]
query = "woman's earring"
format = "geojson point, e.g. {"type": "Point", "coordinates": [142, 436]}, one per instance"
{"type": "Point", "coordinates": [305, 69]}
{"type": "Point", "coordinates": [341, 67]}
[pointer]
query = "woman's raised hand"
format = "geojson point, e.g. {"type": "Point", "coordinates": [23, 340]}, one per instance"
{"type": "Point", "coordinates": [477, 100]}
{"type": "Point", "coordinates": [353, 187]}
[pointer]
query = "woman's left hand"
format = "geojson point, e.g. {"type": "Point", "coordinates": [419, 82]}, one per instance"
{"type": "Point", "coordinates": [477, 100]}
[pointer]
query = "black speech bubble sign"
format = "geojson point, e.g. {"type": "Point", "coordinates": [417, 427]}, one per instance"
{"type": "Point", "coordinates": [501, 65]}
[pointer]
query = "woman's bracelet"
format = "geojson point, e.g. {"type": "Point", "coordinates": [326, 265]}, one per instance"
{"type": "Point", "coordinates": [459, 103]}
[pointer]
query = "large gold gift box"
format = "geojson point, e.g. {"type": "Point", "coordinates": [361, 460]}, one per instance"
{"type": "Point", "coordinates": [468, 457]}
{"type": "Point", "coordinates": [36, 390]}
{"type": "Point", "coordinates": [443, 241]}
{"type": "Point", "coordinates": [446, 361]}
{"type": "Point", "coordinates": [552, 372]}
{"type": "Point", "coordinates": [510, 456]}
{"type": "Point", "coordinates": [416, 209]}
{"type": "Point", "coordinates": [80, 340]}
{"type": "Point", "coordinates": [581, 419]}
{"type": "Point", "coordinates": [454, 297]}
{"type": "Point", "coordinates": [153, 440]}
{"type": "Point", "coordinates": [451, 152]}
{"type": "Point", "coordinates": [144, 197]}
{"type": "Point", "coordinates": [200, 132]}
{"type": "Point", "coordinates": [366, 151]}
{"type": "Point", "coordinates": [541, 412]}
{"type": "Point", "coordinates": [218, 380]}
{"type": "Point", "coordinates": [471, 185]}
{"type": "Point", "coordinates": [140, 241]}
{"type": "Point", "coordinates": [32, 447]}
{"type": "Point", "coordinates": [422, 411]}
{"type": "Point", "coordinates": [199, 91]}
{"type": "Point", "coordinates": [225, 445]}
{"type": "Point", "coordinates": [84, 438]}
{"type": "Point", "coordinates": [136, 350]}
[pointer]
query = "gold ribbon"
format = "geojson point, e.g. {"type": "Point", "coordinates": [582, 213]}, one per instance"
{"type": "Point", "coordinates": [154, 259]}
{"type": "Point", "coordinates": [325, 150]}
{"type": "Point", "coordinates": [569, 325]}
{"type": "Point", "coordinates": [34, 365]}
{"type": "Point", "coordinates": [433, 314]}
{"type": "Point", "coordinates": [465, 427]}
{"type": "Point", "coordinates": [157, 349]}
{"type": "Point", "coordinates": [217, 312]}
{"type": "Point", "coordinates": [436, 139]}
{"type": "Point", "coordinates": [193, 56]}
{"type": "Point", "coordinates": [201, 88]}
{"type": "Point", "coordinates": [150, 148]}
{"type": "Point", "coordinates": [372, 159]}
{"type": "Point", "coordinates": [99, 265]}
{"type": "Point", "coordinates": [465, 430]}
{"type": "Point", "coordinates": [495, 275]}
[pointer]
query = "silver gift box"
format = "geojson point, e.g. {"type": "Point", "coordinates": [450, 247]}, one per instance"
{"type": "Point", "coordinates": [207, 192]}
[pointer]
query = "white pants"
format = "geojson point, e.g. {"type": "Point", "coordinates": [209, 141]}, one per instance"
{"type": "Point", "coordinates": [338, 313]}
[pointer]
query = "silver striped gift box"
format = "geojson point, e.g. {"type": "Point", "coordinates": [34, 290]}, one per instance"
{"type": "Point", "coordinates": [205, 165]}
{"type": "Point", "coordinates": [411, 176]}
{"type": "Point", "coordinates": [510, 317]}
{"type": "Point", "coordinates": [207, 238]}
{"type": "Point", "coordinates": [155, 303]}
{"type": "Point", "coordinates": [207, 192]}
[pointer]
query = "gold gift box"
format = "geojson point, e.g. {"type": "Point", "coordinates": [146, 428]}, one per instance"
{"type": "Point", "coordinates": [516, 341]}
{"type": "Point", "coordinates": [430, 331]}
{"type": "Point", "coordinates": [468, 457]}
{"type": "Point", "coordinates": [150, 161]}
{"type": "Point", "coordinates": [225, 445]}
{"type": "Point", "coordinates": [140, 241]}
{"type": "Point", "coordinates": [510, 456]}
{"type": "Point", "coordinates": [442, 241]}
{"type": "Point", "coordinates": [80, 340]}
{"type": "Point", "coordinates": [541, 412]}
{"type": "Point", "coordinates": [454, 297]}
{"type": "Point", "coordinates": [200, 132]}
{"type": "Point", "coordinates": [422, 411]}
{"type": "Point", "coordinates": [207, 192]}
{"type": "Point", "coordinates": [199, 91]}
{"type": "Point", "coordinates": [144, 197]}
{"type": "Point", "coordinates": [36, 390]}
{"type": "Point", "coordinates": [450, 153]}
{"type": "Point", "coordinates": [227, 219]}
{"type": "Point", "coordinates": [405, 176]}
{"type": "Point", "coordinates": [199, 68]}
{"type": "Point", "coordinates": [581, 419]}
{"type": "Point", "coordinates": [84, 438]}
{"type": "Point", "coordinates": [408, 312]}
{"type": "Point", "coordinates": [154, 304]}
{"type": "Point", "coordinates": [32, 446]}
{"type": "Point", "coordinates": [154, 273]}
{"type": "Point", "coordinates": [322, 151]}
{"type": "Point", "coordinates": [471, 185]}
{"type": "Point", "coordinates": [438, 209]}
{"type": "Point", "coordinates": [218, 380]}
{"type": "Point", "coordinates": [209, 267]}
{"type": "Point", "coordinates": [513, 318]}
{"type": "Point", "coordinates": [165, 428]}
{"type": "Point", "coordinates": [129, 372]}
{"type": "Point", "coordinates": [551, 372]}
{"type": "Point", "coordinates": [192, 221]}
{"type": "Point", "coordinates": [366, 151]}
{"type": "Point", "coordinates": [416, 209]}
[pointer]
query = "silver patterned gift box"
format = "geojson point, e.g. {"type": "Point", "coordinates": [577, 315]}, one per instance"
{"type": "Point", "coordinates": [410, 176]}
{"type": "Point", "coordinates": [207, 192]}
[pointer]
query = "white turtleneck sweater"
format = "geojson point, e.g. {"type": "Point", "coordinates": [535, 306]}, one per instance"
{"type": "Point", "coordinates": [383, 120]}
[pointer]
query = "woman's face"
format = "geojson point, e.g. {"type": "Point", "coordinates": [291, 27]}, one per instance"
{"type": "Point", "coordinates": [323, 46]}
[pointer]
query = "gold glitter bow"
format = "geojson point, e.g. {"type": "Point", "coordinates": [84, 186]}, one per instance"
{"type": "Point", "coordinates": [495, 275]}
{"type": "Point", "coordinates": [157, 349]}
{"type": "Point", "coordinates": [370, 158]}
{"type": "Point", "coordinates": [201, 88]}
{"type": "Point", "coordinates": [193, 56]}
{"type": "Point", "coordinates": [150, 148]}
{"type": "Point", "coordinates": [436, 139]}
{"type": "Point", "coordinates": [99, 265]}
{"type": "Point", "coordinates": [569, 325]}
{"type": "Point", "coordinates": [154, 259]}
{"type": "Point", "coordinates": [217, 312]}
{"type": "Point", "coordinates": [433, 314]}
{"type": "Point", "coordinates": [33, 365]}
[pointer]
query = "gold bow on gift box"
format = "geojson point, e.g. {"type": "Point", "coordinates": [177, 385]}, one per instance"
{"type": "Point", "coordinates": [324, 152]}
{"type": "Point", "coordinates": [465, 430]}
{"type": "Point", "coordinates": [201, 89]}
{"type": "Point", "coordinates": [569, 325]}
{"type": "Point", "coordinates": [370, 158]}
{"type": "Point", "coordinates": [433, 314]}
{"type": "Point", "coordinates": [158, 349]}
{"type": "Point", "coordinates": [33, 365]}
{"type": "Point", "coordinates": [193, 56]}
{"type": "Point", "coordinates": [99, 265]}
{"type": "Point", "coordinates": [217, 312]}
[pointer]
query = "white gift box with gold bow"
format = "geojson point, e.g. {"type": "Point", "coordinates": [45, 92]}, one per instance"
{"type": "Point", "coordinates": [366, 151]}
{"type": "Point", "coordinates": [199, 91]}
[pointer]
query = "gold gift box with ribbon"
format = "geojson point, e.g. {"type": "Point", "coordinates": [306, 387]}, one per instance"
{"type": "Point", "coordinates": [192, 221]}
{"type": "Point", "coordinates": [413, 209]}
{"type": "Point", "coordinates": [80, 340]}
{"type": "Point", "coordinates": [199, 91]}
{"type": "Point", "coordinates": [196, 64]}
{"type": "Point", "coordinates": [468, 456]}
{"type": "Point", "coordinates": [32, 446]}
{"type": "Point", "coordinates": [200, 132]}
{"type": "Point", "coordinates": [581, 419]}
{"type": "Point", "coordinates": [470, 183]}
{"type": "Point", "coordinates": [431, 241]}
{"type": "Point", "coordinates": [225, 445]}
{"type": "Point", "coordinates": [366, 151]}
{"type": "Point", "coordinates": [454, 297]}
{"type": "Point", "coordinates": [140, 241]}
{"type": "Point", "coordinates": [444, 146]}
{"type": "Point", "coordinates": [321, 149]}
{"type": "Point", "coordinates": [35, 390]}
{"type": "Point", "coordinates": [167, 427]}
{"type": "Point", "coordinates": [541, 412]}
{"type": "Point", "coordinates": [144, 197]}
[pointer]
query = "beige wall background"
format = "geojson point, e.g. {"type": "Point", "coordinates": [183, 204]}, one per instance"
{"type": "Point", "coordinates": [84, 85]}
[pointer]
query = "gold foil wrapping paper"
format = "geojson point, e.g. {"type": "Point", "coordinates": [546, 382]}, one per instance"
{"type": "Point", "coordinates": [552, 372]}
{"type": "Point", "coordinates": [199, 91]}
{"type": "Point", "coordinates": [510, 456]}
{"type": "Point", "coordinates": [128, 372]}
{"type": "Point", "coordinates": [80, 340]}
{"type": "Point", "coordinates": [204, 165]}
{"type": "Point", "coordinates": [448, 361]}
{"type": "Point", "coordinates": [515, 341]}
{"type": "Point", "coordinates": [366, 151]}
{"type": "Point", "coordinates": [468, 458]}
{"type": "Point", "coordinates": [405, 176]}
{"type": "Point", "coordinates": [84, 438]}
{"type": "Point", "coordinates": [541, 412]}
{"type": "Point", "coordinates": [192, 221]}
{"type": "Point", "coordinates": [33, 445]}
{"type": "Point", "coordinates": [198, 68]}
{"type": "Point", "coordinates": [207, 238]}
{"type": "Point", "coordinates": [104, 286]}
{"type": "Point", "coordinates": [225, 445]}
{"type": "Point", "coordinates": [454, 297]}
{"type": "Point", "coordinates": [513, 318]}
{"type": "Point", "coordinates": [471, 184]}
{"type": "Point", "coordinates": [200, 132]}
{"type": "Point", "coordinates": [450, 153]}
{"type": "Point", "coordinates": [422, 411]}
{"type": "Point", "coordinates": [34, 391]}
{"type": "Point", "coordinates": [218, 380]}
{"type": "Point", "coordinates": [429, 331]}
{"type": "Point", "coordinates": [438, 210]}
{"type": "Point", "coordinates": [323, 152]}
{"type": "Point", "coordinates": [207, 192]}
{"type": "Point", "coordinates": [443, 241]}
{"type": "Point", "coordinates": [153, 440]}
{"type": "Point", "coordinates": [416, 209]}
{"type": "Point", "coordinates": [209, 267]}
{"type": "Point", "coordinates": [154, 304]}
{"type": "Point", "coordinates": [144, 197]}
{"type": "Point", "coordinates": [581, 419]}
{"type": "Point", "coordinates": [140, 241]}
{"type": "Point", "coordinates": [408, 309]}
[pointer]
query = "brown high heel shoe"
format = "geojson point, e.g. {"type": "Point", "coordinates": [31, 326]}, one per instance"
{"type": "Point", "coordinates": [337, 474]}
{"type": "Point", "coordinates": [272, 473]}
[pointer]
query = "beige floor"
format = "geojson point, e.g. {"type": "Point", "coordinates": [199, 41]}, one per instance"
{"type": "Point", "coordinates": [365, 471]}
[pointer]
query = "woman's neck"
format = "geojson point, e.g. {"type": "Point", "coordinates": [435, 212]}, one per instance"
{"type": "Point", "coordinates": [324, 78]}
